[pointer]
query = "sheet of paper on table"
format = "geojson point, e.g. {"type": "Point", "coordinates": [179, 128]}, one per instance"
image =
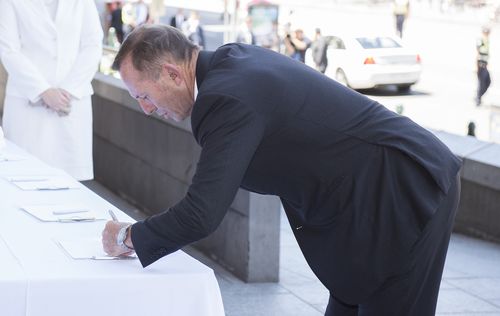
{"type": "Point", "coordinates": [62, 213]}
{"type": "Point", "coordinates": [35, 183]}
{"type": "Point", "coordinates": [87, 249]}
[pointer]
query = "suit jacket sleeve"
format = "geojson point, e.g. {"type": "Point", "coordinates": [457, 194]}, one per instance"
{"type": "Point", "coordinates": [229, 134]}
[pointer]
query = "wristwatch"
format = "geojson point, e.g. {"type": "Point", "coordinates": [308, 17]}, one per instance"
{"type": "Point", "coordinates": [122, 236]}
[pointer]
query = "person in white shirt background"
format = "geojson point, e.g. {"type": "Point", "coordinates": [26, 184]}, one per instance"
{"type": "Point", "coordinates": [178, 19]}
{"type": "Point", "coordinates": [134, 14]}
{"type": "Point", "coordinates": [193, 30]}
{"type": "Point", "coordinates": [51, 50]}
{"type": "Point", "coordinates": [141, 13]}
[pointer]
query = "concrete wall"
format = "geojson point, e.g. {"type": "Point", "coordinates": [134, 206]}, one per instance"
{"type": "Point", "coordinates": [150, 162]}
{"type": "Point", "coordinates": [479, 209]}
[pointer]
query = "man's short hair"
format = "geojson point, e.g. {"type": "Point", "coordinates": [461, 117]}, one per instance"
{"type": "Point", "coordinates": [150, 45]}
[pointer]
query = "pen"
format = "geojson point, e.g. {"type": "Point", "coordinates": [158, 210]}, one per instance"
{"type": "Point", "coordinates": [63, 212]}
{"type": "Point", "coordinates": [113, 216]}
{"type": "Point", "coordinates": [76, 219]}
{"type": "Point", "coordinates": [49, 188]}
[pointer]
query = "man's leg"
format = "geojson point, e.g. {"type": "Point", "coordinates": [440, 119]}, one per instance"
{"type": "Point", "coordinates": [483, 77]}
{"type": "Point", "coordinates": [338, 308]}
{"type": "Point", "coordinates": [399, 24]}
{"type": "Point", "coordinates": [415, 293]}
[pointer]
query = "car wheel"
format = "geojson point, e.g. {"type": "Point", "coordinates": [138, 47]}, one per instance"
{"type": "Point", "coordinates": [404, 88]}
{"type": "Point", "coordinates": [341, 78]}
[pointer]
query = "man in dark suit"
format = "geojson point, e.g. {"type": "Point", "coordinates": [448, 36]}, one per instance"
{"type": "Point", "coordinates": [370, 195]}
{"type": "Point", "coordinates": [117, 22]}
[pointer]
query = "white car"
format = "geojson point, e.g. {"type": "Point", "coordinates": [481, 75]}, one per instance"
{"type": "Point", "coordinates": [363, 62]}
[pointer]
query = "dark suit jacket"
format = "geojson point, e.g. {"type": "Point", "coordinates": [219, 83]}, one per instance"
{"type": "Point", "coordinates": [357, 181]}
{"type": "Point", "coordinates": [116, 20]}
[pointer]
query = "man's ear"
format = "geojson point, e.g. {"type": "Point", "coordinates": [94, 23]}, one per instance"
{"type": "Point", "coordinates": [173, 72]}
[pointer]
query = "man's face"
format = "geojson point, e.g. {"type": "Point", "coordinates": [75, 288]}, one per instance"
{"type": "Point", "coordinates": [167, 96]}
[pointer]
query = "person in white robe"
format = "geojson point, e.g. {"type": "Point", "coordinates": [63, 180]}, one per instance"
{"type": "Point", "coordinates": [51, 50]}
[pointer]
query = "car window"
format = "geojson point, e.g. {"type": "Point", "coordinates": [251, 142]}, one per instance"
{"type": "Point", "coordinates": [377, 42]}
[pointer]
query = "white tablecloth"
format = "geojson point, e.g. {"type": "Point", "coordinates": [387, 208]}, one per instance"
{"type": "Point", "coordinates": [38, 278]}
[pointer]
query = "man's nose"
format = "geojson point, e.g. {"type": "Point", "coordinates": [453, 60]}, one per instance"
{"type": "Point", "coordinates": [148, 107]}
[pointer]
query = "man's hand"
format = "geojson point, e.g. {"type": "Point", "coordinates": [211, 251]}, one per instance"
{"type": "Point", "coordinates": [57, 100]}
{"type": "Point", "coordinates": [109, 243]}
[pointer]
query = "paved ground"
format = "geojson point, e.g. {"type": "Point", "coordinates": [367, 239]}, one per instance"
{"type": "Point", "coordinates": [470, 286]}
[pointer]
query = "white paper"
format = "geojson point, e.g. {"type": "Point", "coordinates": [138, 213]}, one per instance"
{"type": "Point", "coordinates": [87, 249]}
{"type": "Point", "coordinates": [62, 213]}
{"type": "Point", "coordinates": [34, 183]}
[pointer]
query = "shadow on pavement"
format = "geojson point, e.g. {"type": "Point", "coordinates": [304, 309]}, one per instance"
{"type": "Point", "coordinates": [391, 91]}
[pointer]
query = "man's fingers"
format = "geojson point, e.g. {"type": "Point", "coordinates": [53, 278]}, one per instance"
{"type": "Point", "coordinates": [109, 244]}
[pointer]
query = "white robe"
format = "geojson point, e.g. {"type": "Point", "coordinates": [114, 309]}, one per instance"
{"type": "Point", "coordinates": [39, 53]}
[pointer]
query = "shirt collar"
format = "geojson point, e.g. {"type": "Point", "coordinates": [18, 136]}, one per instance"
{"type": "Point", "coordinates": [195, 89]}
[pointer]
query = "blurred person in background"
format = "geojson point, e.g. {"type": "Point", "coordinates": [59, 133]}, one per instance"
{"type": "Point", "coordinates": [178, 19]}
{"type": "Point", "coordinates": [245, 34]}
{"type": "Point", "coordinates": [128, 17]}
{"type": "Point", "coordinates": [471, 129]}
{"type": "Point", "coordinates": [483, 55]}
{"type": "Point", "coordinates": [193, 30]}
{"type": "Point", "coordinates": [401, 8]}
{"type": "Point", "coordinates": [117, 21]}
{"type": "Point", "coordinates": [319, 49]}
{"type": "Point", "coordinates": [296, 45]}
{"type": "Point", "coordinates": [141, 13]}
{"type": "Point", "coordinates": [156, 10]}
{"type": "Point", "coordinates": [51, 50]}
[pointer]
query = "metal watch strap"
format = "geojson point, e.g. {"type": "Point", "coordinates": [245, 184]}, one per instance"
{"type": "Point", "coordinates": [127, 233]}
{"type": "Point", "coordinates": [122, 236]}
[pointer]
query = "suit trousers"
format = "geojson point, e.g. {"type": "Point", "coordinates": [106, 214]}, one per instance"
{"type": "Point", "coordinates": [484, 80]}
{"type": "Point", "coordinates": [414, 293]}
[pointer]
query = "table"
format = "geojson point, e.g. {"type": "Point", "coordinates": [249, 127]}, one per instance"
{"type": "Point", "coordinates": [38, 278]}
